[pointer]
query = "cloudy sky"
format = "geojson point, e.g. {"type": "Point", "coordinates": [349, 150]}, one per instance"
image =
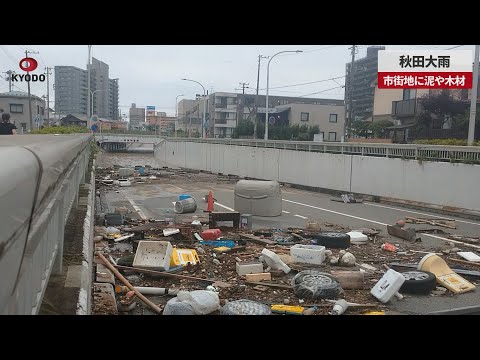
{"type": "Point", "coordinates": [150, 74]}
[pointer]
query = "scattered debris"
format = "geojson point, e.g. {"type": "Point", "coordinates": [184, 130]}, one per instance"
{"type": "Point", "coordinates": [469, 256]}
{"type": "Point", "coordinates": [436, 222]}
{"type": "Point", "coordinates": [407, 234]}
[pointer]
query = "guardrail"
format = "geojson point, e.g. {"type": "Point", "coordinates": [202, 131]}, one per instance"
{"type": "Point", "coordinates": [39, 183]}
{"type": "Point", "coordinates": [403, 151]}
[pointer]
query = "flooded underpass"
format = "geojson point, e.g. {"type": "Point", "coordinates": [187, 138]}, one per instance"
{"type": "Point", "coordinates": [218, 265]}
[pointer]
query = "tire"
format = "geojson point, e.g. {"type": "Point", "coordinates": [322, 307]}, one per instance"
{"type": "Point", "coordinates": [313, 284]}
{"type": "Point", "coordinates": [333, 240]}
{"type": "Point", "coordinates": [245, 307]}
{"type": "Point", "coordinates": [418, 282]}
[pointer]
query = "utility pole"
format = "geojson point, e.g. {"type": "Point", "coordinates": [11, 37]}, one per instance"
{"type": "Point", "coordinates": [47, 72]}
{"type": "Point", "coordinates": [29, 94]}
{"type": "Point", "coordinates": [243, 85]}
{"type": "Point", "coordinates": [260, 57]}
{"type": "Point", "coordinates": [348, 120]}
{"type": "Point", "coordinates": [9, 78]}
{"type": "Point", "coordinates": [473, 103]}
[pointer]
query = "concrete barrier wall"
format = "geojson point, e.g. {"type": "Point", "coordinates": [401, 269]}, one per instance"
{"type": "Point", "coordinates": [438, 183]}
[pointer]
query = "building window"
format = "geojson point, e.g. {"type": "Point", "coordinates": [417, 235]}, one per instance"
{"type": "Point", "coordinates": [409, 94]}
{"type": "Point", "coordinates": [16, 108]}
{"type": "Point", "coordinates": [38, 109]}
{"type": "Point", "coordinates": [24, 126]}
{"type": "Point", "coordinates": [304, 116]}
{"type": "Point", "coordinates": [332, 136]}
{"type": "Point", "coordinates": [321, 135]}
{"type": "Point", "coordinates": [333, 118]}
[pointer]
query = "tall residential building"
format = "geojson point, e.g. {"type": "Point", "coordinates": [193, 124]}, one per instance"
{"type": "Point", "coordinates": [364, 72]}
{"type": "Point", "coordinates": [71, 91]}
{"type": "Point", "coordinates": [137, 117]}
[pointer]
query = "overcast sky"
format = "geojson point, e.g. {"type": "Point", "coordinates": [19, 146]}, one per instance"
{"type": "Point", "coordinates": [150, 74]}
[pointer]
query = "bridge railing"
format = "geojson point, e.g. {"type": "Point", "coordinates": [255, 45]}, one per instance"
{"type": "Point", "coordinates": [404, 151]}
{"type": "Point", "coordinates": [39, 183]}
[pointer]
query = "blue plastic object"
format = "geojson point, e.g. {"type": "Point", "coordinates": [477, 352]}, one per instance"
{"type": "Point", "coordinates": [141, 171]}
{"type": "Point", "coordinates": [184, 196]}
{"type": "Point", "coordinates": [218, 243]}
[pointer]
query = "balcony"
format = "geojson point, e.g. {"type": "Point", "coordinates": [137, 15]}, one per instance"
{"type": "Point", "coordinates": [404, 107]}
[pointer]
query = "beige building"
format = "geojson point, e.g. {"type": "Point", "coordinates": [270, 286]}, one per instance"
{"type": "Point", "coordinates": [190, 114]}
{"type": "Point", "coordinates": [16, 103]}
{"type": "Point", "coordinates": [329, 118]}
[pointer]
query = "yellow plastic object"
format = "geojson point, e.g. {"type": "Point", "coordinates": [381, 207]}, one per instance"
{"type": "Point", "coordinates": [183, 257]}
{"type": "Point", "coordinates": [221, 249]}
{"type": "Point", "coordinates": [445, 276]}
{"type": "Point", "coordinates": [287, 309]}
{"type": "Point", "coordinates": [374, 313]}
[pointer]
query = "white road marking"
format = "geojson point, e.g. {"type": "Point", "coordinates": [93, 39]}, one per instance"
{"type": "Point", "coordinates": [335, 212]}
{"type": "Point", "coordinates": [223, 206]}
{"type": "Point", "coordinates": [419, 213]}
{"type": "Point", "coordinates": [176, 187]}
{"type": "Point", "coordinates": [300, 216]}
{"type": "Point", "coordinates": [286, 212]}
{"type": "Point", "coordinates": [375, 222]}
{"type": "Point", "coordinates": [137, 209]}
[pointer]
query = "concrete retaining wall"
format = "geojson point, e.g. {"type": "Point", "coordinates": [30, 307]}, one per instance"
{"type": "Point", "coordinates": [439, 183]}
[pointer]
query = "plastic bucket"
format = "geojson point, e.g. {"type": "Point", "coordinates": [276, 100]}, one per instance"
{"type": "Point", "coordinates": [184, 196]}
{"type": "Point", "coordinates": [186, 206]}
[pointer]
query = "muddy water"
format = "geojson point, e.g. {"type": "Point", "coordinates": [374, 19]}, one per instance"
{"type": "Point", "coordinates": [107, 159]}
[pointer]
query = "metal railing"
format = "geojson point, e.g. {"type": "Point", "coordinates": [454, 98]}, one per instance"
{"type": "Point", "coordinates": [403, 151]}
{"type": "Point", "coordinates": [40, 181]}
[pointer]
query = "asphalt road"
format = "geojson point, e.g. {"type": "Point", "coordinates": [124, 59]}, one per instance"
{"type": "Point", "coordinates": [300, 206]}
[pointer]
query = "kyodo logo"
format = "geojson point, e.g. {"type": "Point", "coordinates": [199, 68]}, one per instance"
{"type": "Point", "coordinates": [28, 64]}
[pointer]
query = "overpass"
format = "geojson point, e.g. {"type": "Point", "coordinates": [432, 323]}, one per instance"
{"type": "Point", "coordinates": [41, 177]}
{"type": "Point", "coordinates": [127, 142]}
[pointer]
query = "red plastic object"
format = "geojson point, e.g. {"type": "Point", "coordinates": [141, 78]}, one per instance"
{"type": "Point", "coordinates": [211, 234]}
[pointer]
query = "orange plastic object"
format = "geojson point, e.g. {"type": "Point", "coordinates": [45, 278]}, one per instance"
{"type": "Point", "coordinates": [210, 202]}
{"type": "Point", "coordinates": [445, 276]}
{"type": "Point", "coordinates": [389, 247]}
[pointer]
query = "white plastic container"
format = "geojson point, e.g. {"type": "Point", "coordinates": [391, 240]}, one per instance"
{"type": "Point", "coordinates": [274, 261]}
{"type": "Point", "coordinates": [357, 238]}
{"type": "Point", "coordinates": [388, 286]}
{"type": "Point", "coordinates": [154, 255]}
{"type": "Point", "coordinates": [308, 254]}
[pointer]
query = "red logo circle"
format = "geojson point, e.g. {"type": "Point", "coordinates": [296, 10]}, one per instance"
{"type": "Point", "coordinates": [28, 64]}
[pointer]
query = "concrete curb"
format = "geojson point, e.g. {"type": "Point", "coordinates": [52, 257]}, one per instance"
{"type": "Point", "coordinates": [85, 295]}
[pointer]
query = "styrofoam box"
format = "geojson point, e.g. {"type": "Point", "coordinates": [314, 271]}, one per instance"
{"type": "Point", "coordinates": [308, 254]}
{"type": "Point", "coordinates": [155, 255]}
{"type": "Point", "coordinates": [388, 285]}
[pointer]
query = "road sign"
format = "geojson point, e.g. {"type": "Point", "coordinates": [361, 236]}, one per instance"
{"type": "Point", "coordinates": [271, 120]}
{"type": "Point", "coordinates": [94, 128]}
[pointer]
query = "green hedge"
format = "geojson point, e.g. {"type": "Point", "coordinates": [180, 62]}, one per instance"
{"type": "Point", "coordinates": [61, 130]}
{"type": "Point", "coordinates": [454, 142]}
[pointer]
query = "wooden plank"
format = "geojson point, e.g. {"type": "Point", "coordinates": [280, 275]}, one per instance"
{"type": "Point", "coordinates": [279, 286]}
{"type": "Point", "coordinates": [259, 277]}
{"type": "Point", "coordinates": [465, 262]}
{"type": "Point", "coordinates": [162, 274]}
{"type": "Point", "coordinates": [436, 222]}
{"type": "Point", "coordinates": [349, 279]}
{"type": "Point", "coordinates": [257, 240]}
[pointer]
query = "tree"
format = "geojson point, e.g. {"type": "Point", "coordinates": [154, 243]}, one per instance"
{"type": "Point", "coordinates": [360, 128]}
{"type": "Point", "coordinates": [379, 128]}
{"type": "Point", "coordinates": [439, 108]}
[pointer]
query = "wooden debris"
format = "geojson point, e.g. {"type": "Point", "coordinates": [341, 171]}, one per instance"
{"type": "Point", "coordinates": [269, 285]}
{"type": "Point", "coordinates": [436, 222]}
{"type": "Point", "coordinates": [465, 262]}
{"type": "Point", "coordinates": [257, 240]}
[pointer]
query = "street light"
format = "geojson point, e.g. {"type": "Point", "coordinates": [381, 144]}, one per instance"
{"type": "Point", "coordinates": [268, 70]}
{"type": "Point", "coordinates": [176, 113]}
{"type": "Point", "coordinates": [204, 104]}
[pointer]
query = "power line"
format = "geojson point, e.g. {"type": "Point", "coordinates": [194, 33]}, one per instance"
{"type": "Point", "coordinates": [14, 85]}
{"type": "Point", "coordinates": [307, 83]}
{"type": "Point", "coordinates": [9, 56]}
{"type": "Point", "coordinates": [454, 47]}
{"type": "Point", "coordinates": [336, 87]}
